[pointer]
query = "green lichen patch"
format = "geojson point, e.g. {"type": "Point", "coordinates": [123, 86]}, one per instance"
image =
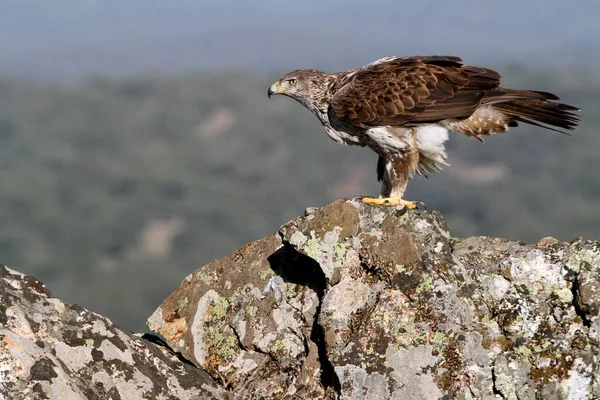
{"type": "Point", "coordinates": [577, 258]}
{"type": "Point", "coordinates": [277, 345]}
{"type": "Point", "coordinates": [312, 248]}
{"type": "Point", "coordinates": [222, 341]}
{"type": "Point", "coordinates": [438, 338]}
{"type": "Point", "coordinates": [293, 291]}
{"type": "Point", "coordinates": [523, 351]}
{"type": "Point", "coordinates": [426, 285]}
{"type": "Point", "coordinates": [251, 311]}
{"type": "Point", "coordinates": [340, 251]}
{"type": "Point", "coordinates": [182, 303]}
{"type": "Point", "coordinates": [223, 345]}
{"type": "Point", "coordinates": [204, 277]}
{"type": "Point", "coordinates": [565, 295]}
{"type": "Point", "coordinates": [219, 308]}
{"type": "Point", "coordinates": [266, 273]}
{"type": "Point", "coordinates": [238, 295]}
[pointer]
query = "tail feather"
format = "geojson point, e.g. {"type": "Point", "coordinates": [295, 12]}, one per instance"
{"type": "Point", "coordinates": [535, 108]}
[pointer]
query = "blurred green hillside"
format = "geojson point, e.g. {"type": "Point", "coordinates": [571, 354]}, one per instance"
{"type": "Point", "coordinates": [112, 191]}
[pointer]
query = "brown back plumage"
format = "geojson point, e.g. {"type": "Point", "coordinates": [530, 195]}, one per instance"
{"type": "Point", "coordinates": [409, 91]}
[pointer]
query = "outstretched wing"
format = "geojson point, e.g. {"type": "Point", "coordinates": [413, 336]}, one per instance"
{"type": "Point", "coordinates": [407, 91]}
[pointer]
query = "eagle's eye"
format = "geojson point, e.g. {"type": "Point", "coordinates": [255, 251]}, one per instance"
{"type": "Point", "coordinates": [292, 81]}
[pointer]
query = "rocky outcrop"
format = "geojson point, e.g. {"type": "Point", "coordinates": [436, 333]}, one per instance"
{"type": "Point", "coordinates": [364, 302]}
{"type": "Point", "coordinates": [348, 301]}
{"type": "Point", "coordinates": [52, 350]}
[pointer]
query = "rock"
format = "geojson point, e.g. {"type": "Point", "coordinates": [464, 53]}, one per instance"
{"type": "Point", "coordinates": [347, 301]}
{"type": "Point", "coordinates": [357, 302]}
{"type": "Point", "coordinates": [52, 350]}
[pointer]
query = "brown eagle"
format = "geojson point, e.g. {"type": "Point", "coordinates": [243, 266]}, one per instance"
{"type": "Point", "coordinates": [403, 107]}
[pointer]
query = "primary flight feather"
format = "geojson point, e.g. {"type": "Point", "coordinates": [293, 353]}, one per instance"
{"type": "Point", "coordinates": [403, 108]}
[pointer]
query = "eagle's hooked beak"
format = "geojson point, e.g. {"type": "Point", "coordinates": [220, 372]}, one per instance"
{"type": "Point", "coordinates": [274, 89]}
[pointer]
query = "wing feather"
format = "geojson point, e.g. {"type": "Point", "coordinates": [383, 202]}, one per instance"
{"type": "Point", "coordinates": [410, 90]}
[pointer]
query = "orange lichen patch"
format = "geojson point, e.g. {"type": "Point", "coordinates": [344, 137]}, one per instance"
{"type": "Point", "coordinates": [17, 361]}
{"type": "Point", "coordinates": [9, 343]}
{"type": "Point", "coordinates": [174, 327]}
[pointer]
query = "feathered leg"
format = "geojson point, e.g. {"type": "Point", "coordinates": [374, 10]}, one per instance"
{"type": "Point", "coordinates": [394, 170]}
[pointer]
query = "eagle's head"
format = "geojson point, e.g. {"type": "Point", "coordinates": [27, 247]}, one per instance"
{"type": "Point", "coordinates": [307, 86]}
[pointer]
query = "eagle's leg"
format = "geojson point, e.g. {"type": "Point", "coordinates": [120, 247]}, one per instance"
{"type": "Point", "coordinates": [394, 170]}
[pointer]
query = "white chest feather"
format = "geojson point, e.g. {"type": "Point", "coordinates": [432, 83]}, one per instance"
{"type": "Point", "coordinates": [428, 138]}
{"type": "Point", "coordinates": [431, 138]}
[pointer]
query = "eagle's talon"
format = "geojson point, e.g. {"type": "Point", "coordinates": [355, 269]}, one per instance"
{"type": "Point", "coordinates": [392, 202]}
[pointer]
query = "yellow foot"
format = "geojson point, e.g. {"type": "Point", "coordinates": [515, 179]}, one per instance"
{"type": "Point", "coordinates": [392, 202]}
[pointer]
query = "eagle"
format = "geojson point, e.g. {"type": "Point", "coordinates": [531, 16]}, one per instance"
{"type": "Point", "coordinates": [402, 108]}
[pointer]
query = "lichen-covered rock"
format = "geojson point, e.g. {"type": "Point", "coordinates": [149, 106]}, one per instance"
{"type": "Point", "coordinates": [348, 301]}
{"type": "Point", "coordinates": [238, 319]}
{"type": "Point", "coordinates": [52, 350]}
{"type": "Point", "coordinates": [360, 302]}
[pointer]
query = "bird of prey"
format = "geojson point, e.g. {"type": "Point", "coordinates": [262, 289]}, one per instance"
{"type": "Point", "coordinates": [403, 108]}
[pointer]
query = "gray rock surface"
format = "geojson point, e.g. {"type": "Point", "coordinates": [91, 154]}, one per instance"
{"type": "Point", "coordinates": [359, 302]}
{"type": "Point", "coordinates": [52, 350]}
{"type": "Point", "coordinates": [348, 301]}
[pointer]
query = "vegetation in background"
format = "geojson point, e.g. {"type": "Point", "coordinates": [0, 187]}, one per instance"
{"type": "Point", "coordinates": [112, 191]}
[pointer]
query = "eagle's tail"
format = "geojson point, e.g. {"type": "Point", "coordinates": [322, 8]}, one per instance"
{"type": "Point", "coordinates": [534, 108]}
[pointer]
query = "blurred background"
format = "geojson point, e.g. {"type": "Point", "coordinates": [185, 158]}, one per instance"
{"type": "Point", "coordinates": [137, 141]}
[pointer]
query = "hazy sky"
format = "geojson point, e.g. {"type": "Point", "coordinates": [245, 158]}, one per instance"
{"type": "Point", "coordinates": [78, 37]}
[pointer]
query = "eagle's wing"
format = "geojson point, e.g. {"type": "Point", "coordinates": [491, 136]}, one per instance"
{"type": "Point", "coordinates": [408, 91]}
